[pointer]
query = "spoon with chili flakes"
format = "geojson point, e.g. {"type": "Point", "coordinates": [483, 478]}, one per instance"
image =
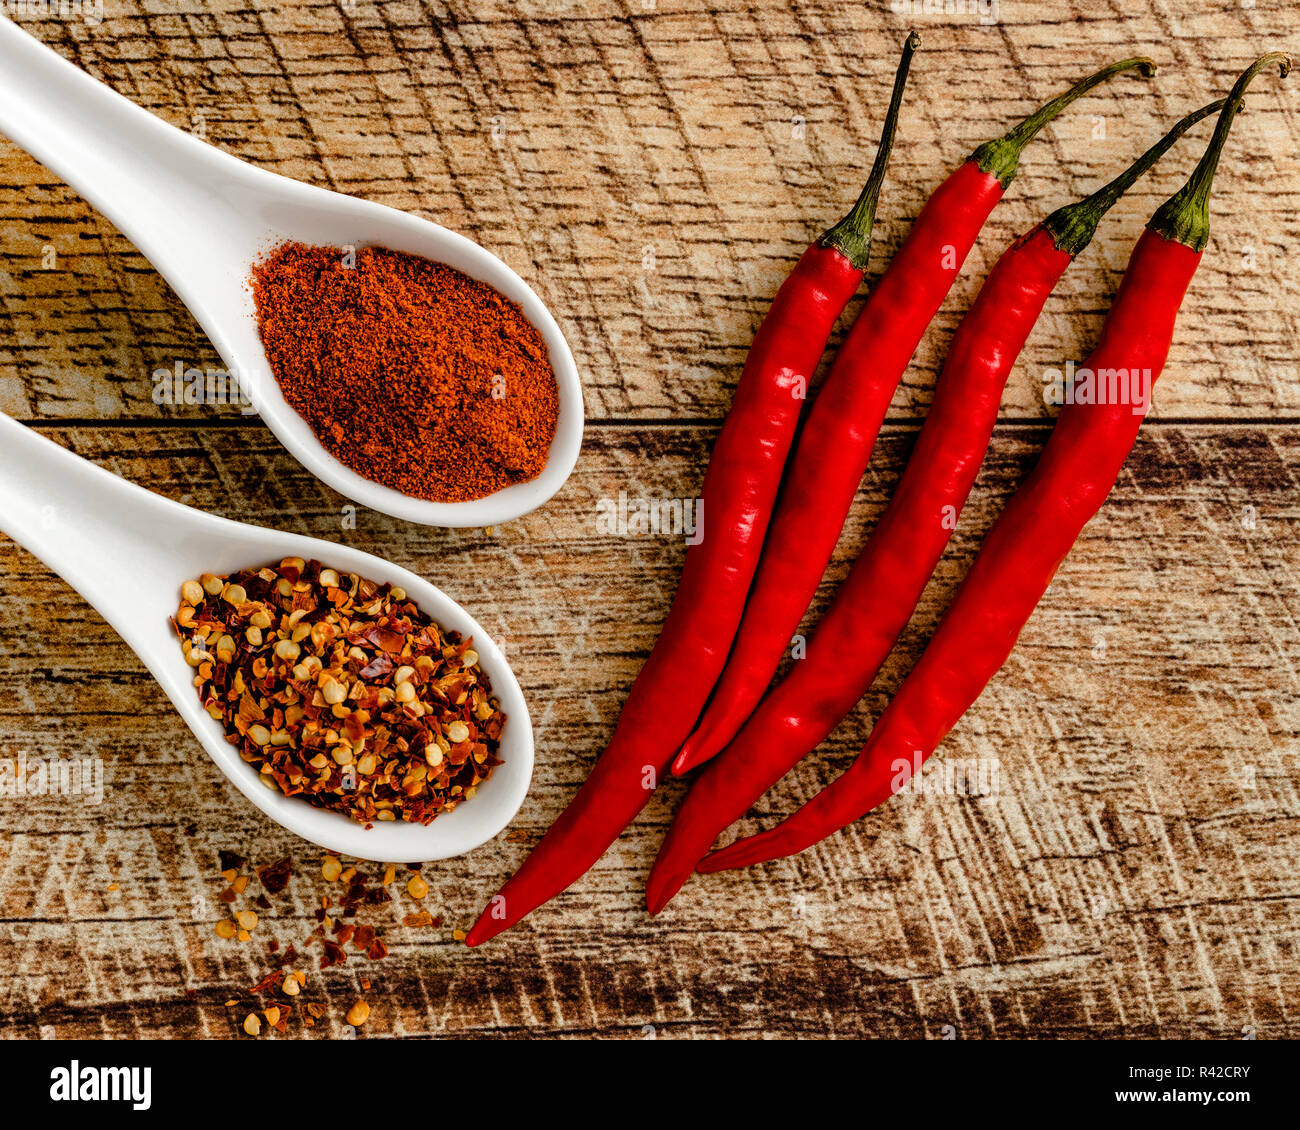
{"type": "Point", "coordinates": [207, 221]}
{"type": "Point", "coordinates": [350, 700]}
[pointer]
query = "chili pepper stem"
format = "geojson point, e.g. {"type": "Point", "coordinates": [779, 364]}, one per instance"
{"type": "Point", "coordinates": [851, 237]}
{"type": "Point", "coordinates": [1001, 156]}
{"type": "Point", "coordinates": [1073, 226]}
{"type": "Point", "coordinates": [1185, 217]}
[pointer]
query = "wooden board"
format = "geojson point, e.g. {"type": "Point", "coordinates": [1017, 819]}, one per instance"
{"type": "Point", "coordinates": [653, 169]}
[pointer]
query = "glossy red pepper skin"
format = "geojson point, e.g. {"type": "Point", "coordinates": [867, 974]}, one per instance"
{"type": "Point", "coordinates": [739, 487]}
{"type": "Point", "coordinates": [879, 594]}
{"type": "Point", "coordinates": [835, 446]}
{"type": "Point", "coordinates": [1015, 565]}
{"type": "Point", "coordinates": [843, 423]}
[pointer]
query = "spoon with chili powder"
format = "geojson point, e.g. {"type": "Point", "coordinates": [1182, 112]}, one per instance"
{"type": "Point", "coordinates": [440, 408]}
{"type": "Point", "coordinates": [129, 552]}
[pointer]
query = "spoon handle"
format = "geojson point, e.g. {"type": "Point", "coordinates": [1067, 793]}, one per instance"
{"type": "Point", "coordinates": [91, 527]}
{"type": "Point", "coordinates": [146, 176]}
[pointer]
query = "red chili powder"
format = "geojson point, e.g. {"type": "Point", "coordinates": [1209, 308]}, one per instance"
{"type": "Point", "coordinates": [410, 372]}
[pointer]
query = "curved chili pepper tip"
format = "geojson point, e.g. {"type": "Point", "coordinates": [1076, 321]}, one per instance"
{"type": "Point", "coordinates": [743, 853]}
{"type": "Point", "coordinates": [1073, 226]}
{"type": "Point", "coordinates": [1185, 217]}
{"type": "Point", "coordinates": [851, 237]}
{"type": "Point", "coordinates": [1001, 157]}
{"type": "Point", "coordinates": [656, 900]}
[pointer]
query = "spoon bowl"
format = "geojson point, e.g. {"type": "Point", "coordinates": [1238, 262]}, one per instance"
{"type": "Point", "coordinates": [127, 551]}
{"type": "Point", "coordinates": [203, 218]}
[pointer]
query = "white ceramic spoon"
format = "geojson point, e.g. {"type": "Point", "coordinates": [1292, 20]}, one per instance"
{"type": "Point", "coordinates": [202, 218]}
{"type": "Point", "coordinates": [127, 551]}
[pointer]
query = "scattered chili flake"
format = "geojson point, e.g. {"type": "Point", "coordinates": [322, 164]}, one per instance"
{"type": "Point", "coordinates": [229, 861]}
{"type": "Point", "coordinates": [417, 888]}
{"type": "Point", "coordinates": [275, 878]}
{"type": "Point", "coordinates": [284, 984]}
{"type": "Point", "coordinates": [267, 982]}
{"type": "Point", "coordinates": [334, 954]}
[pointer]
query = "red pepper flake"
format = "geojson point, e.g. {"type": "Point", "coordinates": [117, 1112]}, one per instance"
{"type": "Point", "coordinates": [266, 982]}
{"type": "Point", "coordinates": [378, 667]}
{"type": "Point", "coordinates": [276, 876]}
{"type": "Point", "coordinates": [229, 861]}
{"type": "Point", "coordinates": [378, 950]}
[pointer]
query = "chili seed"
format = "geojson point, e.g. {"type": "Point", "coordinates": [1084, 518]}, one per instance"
{"type": "Point", "coordinates": [358, 1014]}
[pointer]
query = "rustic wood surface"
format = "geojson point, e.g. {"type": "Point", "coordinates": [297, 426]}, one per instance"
{"type": "Point", "coordinates": [653, 168]}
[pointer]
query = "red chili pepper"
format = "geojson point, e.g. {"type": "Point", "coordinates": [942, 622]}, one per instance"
{"type": "Point", "coordinates": [880, 593]}
{"type": "Point", "coordinates": [1045, 516]}
{"type": "Point", "coordinates": [835, 447]}
{"type": "Point", "coordinates": [739, 489]}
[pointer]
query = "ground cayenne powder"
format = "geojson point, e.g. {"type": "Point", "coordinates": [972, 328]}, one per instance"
{"type": "Point", "coordinates": [410, 372]}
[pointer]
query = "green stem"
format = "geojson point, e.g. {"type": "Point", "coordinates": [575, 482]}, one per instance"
{"type": "Point", "coordinates": [1001, 156]}
{"type": "Point", "coordinates": [1185, 216]}
{"type": "Point", "coordinates": [851, 237]}
{"type": "Point", "coordinates": [1073, 226]}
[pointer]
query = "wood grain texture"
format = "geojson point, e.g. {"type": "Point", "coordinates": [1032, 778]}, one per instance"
{"type": "Point", "coordinates": [653, 168]}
